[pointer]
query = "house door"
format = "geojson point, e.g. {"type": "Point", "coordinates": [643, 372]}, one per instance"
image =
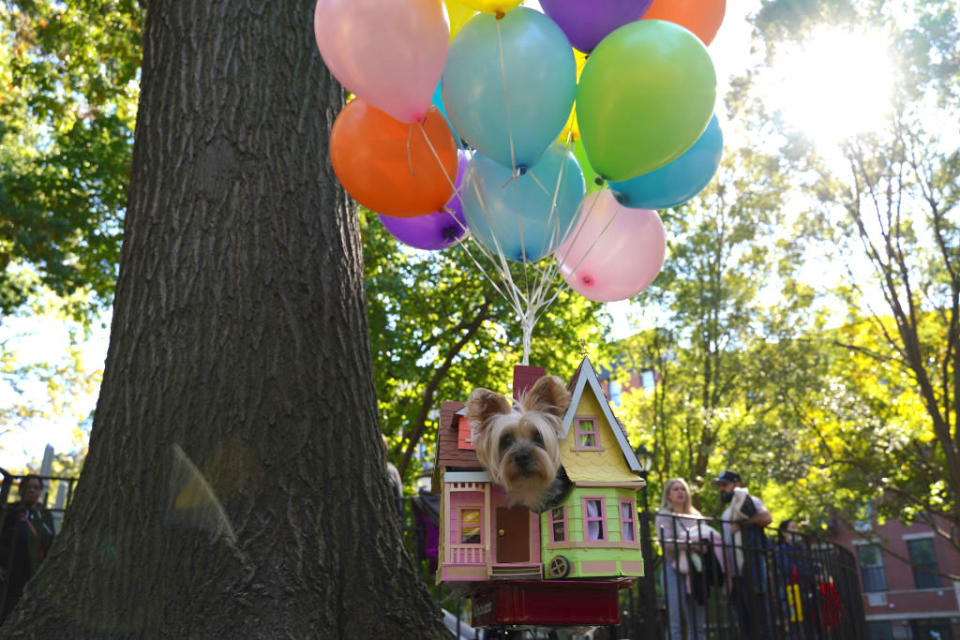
{"type": "Point", "coordinates": [513, 534]}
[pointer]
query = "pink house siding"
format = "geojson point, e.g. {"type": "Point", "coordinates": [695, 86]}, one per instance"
{"type": "Point", "coordinates": [460, 553]}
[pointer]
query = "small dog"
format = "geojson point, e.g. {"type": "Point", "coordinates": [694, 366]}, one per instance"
{"type": "Point", "coordinates": [519, 446]}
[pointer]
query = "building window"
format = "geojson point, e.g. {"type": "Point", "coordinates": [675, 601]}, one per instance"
{"type": "Point", "coordinates": [470, 528]}
{"type": "Point", "coordinates": [587, 437]}
{"type": "Point", "coordinates": [593, 517]}
{"type": "Point", "coordinates": [628, 525]}
{"type": "Point", "coordinates": [558, 524]}
{"type": "Point", "coordinates": [616, 390]}
{"type": "Point", "coordinates": [882, 630]}
{"type": "Point", "coordinates": [871, 568]}
{"type": "Point", "coordinates": [924, 561]}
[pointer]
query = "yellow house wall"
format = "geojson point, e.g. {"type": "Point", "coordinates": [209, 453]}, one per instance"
{"type": "Point", "coordinates": [594, 466]}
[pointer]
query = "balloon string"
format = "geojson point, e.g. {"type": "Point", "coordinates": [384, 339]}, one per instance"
{"type": "Point", "coordinates": [436, 156]}
{"type": "Point", "coordinates": [530, 302]}
{"type": "Point", "coordinates": [513, 155]}
{"type": "Point", "coordinates": [506, 100]}
{"type": "Point", "coordinates": [410, 154]}
{"type": "Point", "coordinates": [595, 240]}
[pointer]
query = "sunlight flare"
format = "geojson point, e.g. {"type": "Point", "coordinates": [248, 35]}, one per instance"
{"type": "Point", "coordinates": [835, 85]}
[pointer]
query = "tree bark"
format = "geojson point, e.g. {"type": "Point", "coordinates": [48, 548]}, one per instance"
{"type": "Point", "coordinates": [235, 483]}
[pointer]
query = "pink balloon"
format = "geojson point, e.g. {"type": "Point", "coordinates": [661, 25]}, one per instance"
{"type": "Point", "coordinates": [391, 54]}
{"type": "Point", "coordinates": [614, 252]}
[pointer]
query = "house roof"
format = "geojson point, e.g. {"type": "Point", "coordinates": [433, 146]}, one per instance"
{"type": "Point", "coordinates": [585, 379]}
{"type": "Point", "coordinates": [449, 454]}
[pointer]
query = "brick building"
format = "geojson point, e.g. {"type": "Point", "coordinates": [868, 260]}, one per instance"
{"type": "Point", "coordinates": [902, 601]}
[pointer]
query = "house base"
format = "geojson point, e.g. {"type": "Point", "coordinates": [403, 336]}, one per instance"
{"type": "Point", "coordinates": [557, 602]}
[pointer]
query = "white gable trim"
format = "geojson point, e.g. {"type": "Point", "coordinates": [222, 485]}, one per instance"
{"type": "Point", "coordinates": [588, 377]}
{"type": "Point", "coordinates": [466, 476]}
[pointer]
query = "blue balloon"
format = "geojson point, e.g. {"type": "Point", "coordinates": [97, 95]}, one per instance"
{"type": "Point", "coordinates": [518, 214]}
{"type": "Point", "coordinates": [675, 183]}
{"type": "Point", "coordinates": [510, 78]}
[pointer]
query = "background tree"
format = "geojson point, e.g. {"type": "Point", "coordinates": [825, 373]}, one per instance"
{"type": "Point", "coordinates": [721, 353]}
{"type": "Point", "coordinates": [888, 200]}
{"type": "Point", "coordinates": [69, 73]}
{"type": "Point", "coordinates": [69, 77]}
{"type": "Point", "coordinates": [234, 485]}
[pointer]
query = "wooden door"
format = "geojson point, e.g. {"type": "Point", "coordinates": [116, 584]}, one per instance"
{"type": "Point", "coordinates": [513, 534]}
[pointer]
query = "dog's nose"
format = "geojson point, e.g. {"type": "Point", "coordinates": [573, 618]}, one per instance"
{"type": "Point", "coordinates": [522, 458]}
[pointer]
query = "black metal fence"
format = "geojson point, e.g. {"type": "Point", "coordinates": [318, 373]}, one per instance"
{"type": "Point", "coordinates": [718, 580]}
{"type": "Point", "coordinates": [710, 580]}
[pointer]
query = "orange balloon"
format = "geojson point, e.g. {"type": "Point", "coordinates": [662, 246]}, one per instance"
{"type": "Point", "coordinates": [391, 167]}
{"type": "Point", "coordinates": [703, 17]}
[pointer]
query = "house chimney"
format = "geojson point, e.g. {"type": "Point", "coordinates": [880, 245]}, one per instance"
{"type": "Point", "coordinates": [523, 378]}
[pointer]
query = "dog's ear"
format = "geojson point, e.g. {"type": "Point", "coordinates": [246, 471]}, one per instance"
{"type": "Point", "coordinates": [548, 395]}
{"type": "Point", "coordinates": [482, 404]}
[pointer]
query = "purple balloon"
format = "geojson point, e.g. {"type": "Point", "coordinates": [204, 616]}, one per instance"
{"type": "Point", "coordinates": [438, 230]}
{"type": "Point", "coordinates": [586, 23]}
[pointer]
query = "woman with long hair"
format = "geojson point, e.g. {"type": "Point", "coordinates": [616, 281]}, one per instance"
{"type": "Point", "coordinates": [680, 527]}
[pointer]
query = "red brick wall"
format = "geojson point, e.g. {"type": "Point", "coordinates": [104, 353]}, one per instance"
{"type": "Point", "coordinates": [903, 600]}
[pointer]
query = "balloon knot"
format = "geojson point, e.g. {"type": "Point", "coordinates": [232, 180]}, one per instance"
{"type": "Point", "coordinates": [499, 13]}
{"type": "Point", "coordinates": [598, 181]}
{"type": "Point", "coordinates": [521, 171]}
{"type": "Point", "coordinates": [587, 280]}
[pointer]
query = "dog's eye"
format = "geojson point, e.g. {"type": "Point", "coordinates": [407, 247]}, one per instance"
{"type": "Point", "coordinates": [505, 442]}
{"type": "Point", "coordinates": [538, 439]}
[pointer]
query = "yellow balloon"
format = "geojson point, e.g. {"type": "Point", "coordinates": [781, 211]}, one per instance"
{"type": "Point", "coordinates": [459, 14]}
{"type": "Point", "coordinates": [492, 6]}
{"type": "Point", "coordinates": [570, 130]}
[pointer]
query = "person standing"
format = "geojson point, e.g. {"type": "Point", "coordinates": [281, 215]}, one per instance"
{"type": "Point", "coordinates": [25, 540]}
{"type": "Point", "coordinates": [796, 574]}
{"type": "Point", "coordinates": [744, 541]}
{"type": "Point", "coordinates": [680, 526]}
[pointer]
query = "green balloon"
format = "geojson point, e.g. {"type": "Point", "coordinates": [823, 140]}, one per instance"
{"type": "Point", "coordinates": [645, 95]}
{"type": "Point", "coordinates": [592, 180]}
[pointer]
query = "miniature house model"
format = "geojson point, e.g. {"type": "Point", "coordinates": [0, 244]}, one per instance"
{"type": "Point", "coordinates": [593, 533]}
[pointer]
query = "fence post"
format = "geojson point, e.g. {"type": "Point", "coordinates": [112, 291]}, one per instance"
{"type": "Point", "coordinates": [649, 626]}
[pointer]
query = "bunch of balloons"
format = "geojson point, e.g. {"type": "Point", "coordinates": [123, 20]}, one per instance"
{"type": "Point", "coordinates": [480, 116]}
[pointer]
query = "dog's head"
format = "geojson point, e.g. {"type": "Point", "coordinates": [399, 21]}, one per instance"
{"type": "Point", "coordinates": [518, 445]}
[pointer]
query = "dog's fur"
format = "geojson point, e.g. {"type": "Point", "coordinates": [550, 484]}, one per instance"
{"type": "Point", "coordinates": [519, 445]}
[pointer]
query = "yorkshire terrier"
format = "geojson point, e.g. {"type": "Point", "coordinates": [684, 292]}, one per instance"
{"type": "Point", "coordinates": [519, 445]}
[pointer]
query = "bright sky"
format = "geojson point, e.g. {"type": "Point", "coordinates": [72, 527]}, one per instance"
{"type": "Point", "coordinates": [46, 339]}
{"type": "Point", "coordinates": [847, 67]}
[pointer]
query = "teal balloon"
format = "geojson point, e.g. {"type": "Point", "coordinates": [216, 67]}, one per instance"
{"type": "Point", "coordinates": [524, 217]}
{"type": "Point", "coordinates": [682, 179]}
{"type": "Point", "coordinates": [645, 95]}
{"type": "Point", "coordinates": [508, 85]}
{"type": "Point", "coordinates": [437, 101]}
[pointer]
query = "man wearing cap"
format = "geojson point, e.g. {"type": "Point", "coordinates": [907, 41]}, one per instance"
{"type": "Point", "coordinates": [744, 540]}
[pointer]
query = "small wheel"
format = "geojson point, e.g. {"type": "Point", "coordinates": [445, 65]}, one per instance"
{"type": "Point", "coordinates": [559, 567]}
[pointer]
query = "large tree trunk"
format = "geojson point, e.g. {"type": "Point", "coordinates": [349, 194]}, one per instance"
{"type": "Point", "coordinates": [234, 486]}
